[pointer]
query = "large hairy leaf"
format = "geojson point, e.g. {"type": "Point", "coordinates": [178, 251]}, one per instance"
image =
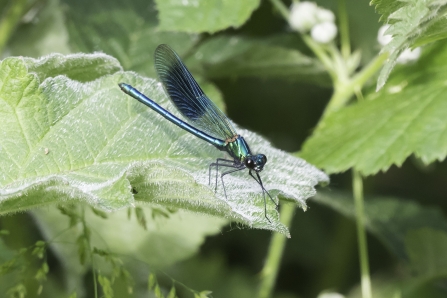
{"type": "Point", "coordinates": [407, 117]}
{"type": "Point", "coordinates": [411, 22]}
{"type": "Point", "coordinates": [65, 140]}
{"type": "Point", "coordinates": [197, 16]}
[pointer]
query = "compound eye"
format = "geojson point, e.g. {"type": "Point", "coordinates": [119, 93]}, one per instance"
{"type": "Point", "coordinates": [249, 163]}
{"type": "Point", "coordinates": [263, 158]}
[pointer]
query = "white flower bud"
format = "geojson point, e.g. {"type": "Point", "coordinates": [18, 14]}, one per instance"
{"type": "Point", "coordinates": [330, 295]}
{"type": "Point", "coordinates": [324, 32]}
{"type": "Point", "coordinates": [383, 38]}
{"type": "Point", "coordinates": [325, 15]}
{"type": "Point", "coordinates": [303, 16]}
{"type": "Point", "coordinates": [409, 55]}
{"type": "Point", "coordinates": [406, 56]}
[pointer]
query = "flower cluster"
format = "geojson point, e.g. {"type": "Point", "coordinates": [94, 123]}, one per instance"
{"type": "Point", "coordinates": [307, 16]}
{"type": "Point", "coordinates": [407, 55]}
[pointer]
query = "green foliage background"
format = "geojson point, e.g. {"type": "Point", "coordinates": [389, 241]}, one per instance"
{"type": "Point", "coordinates": [169, 235]}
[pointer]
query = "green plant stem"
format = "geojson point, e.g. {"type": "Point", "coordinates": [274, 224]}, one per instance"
{"type": "Point", "coordinates": [357, 184]}
{"type": "Point", "coordinates": [10, 20]}
{"type": "Point", "coordinates": [87, 236]}
{"type": "Point", "coordinates": [321, 55]}
{"type": "Point", "coordinates": [344, 90]}
{"type": "Point", "coordinates": [276, 248]}
{"type": "Point", "coordinates": [282, 9]}
{"type": "Point", "coordinates": [343, 23]}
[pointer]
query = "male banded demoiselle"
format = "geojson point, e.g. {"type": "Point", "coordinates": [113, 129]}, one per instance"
{"type": "Point", "coordinates": [205, 119]}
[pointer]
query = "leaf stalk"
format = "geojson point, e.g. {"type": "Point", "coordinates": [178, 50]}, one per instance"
{"type": "Point", "coordinates": [357, 185]}
{"type": "Point", "coordinates": [274, 255]}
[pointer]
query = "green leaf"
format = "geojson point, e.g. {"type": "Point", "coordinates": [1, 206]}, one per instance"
{"type": "Point", "coordinates": [41, 274]}
{"type": "Point", "coordinates": [39, 251]}
{"type": "Point", "coordinates": [101, 143]}
{"type": "Point", "coordinates": [427, 250]}
{"type": "Point", "coordinates": [141, 218]}
{"type": "Point", "coordinates": [157, 291]}
{"type": "Point", "coordinates": [197, 16]}
{"type": "Point", "coordinates": [154, 286]}
{"type": "Point", "coordinates": [99, 213]}
{"type": "Point", "coordinates": [83, 249]}
{"type": "Point", "coordinates": [409, 20]}
{"type": "Point", "coordinates": [405, 118]}
{"type": "Point", "coordinates": [387, 7]}
{"type": "Point", "coordinates": [128, 279]}
{"type": "Point", "coordinates": [171, 293]}
{"type": "Point", "coordinates": [133, 39]}
{"type": "Point", "coordinates": [152, 281]}
{"type": "Point", "coordinates": [219, 276]}
{"type": "Point", "coordinates": [87, 68]}
{"type": "Point", "coordinates": [106, 286]}
{"type": "Point", "coordinates": [42, 31]}
{"type": "Point", "coordinates": [9, 266]}
{"type": "Point", "coordinates": [166, 241]}
{"type": "Point", "coordinates": [262, 58]}
{"type": "Point", "coordinates": [436, 32]}
{"type": "Point", "coordinates": [40, 243]}
{"type": "Point", "coordinates": [389, 219]}
{"type": "Point", "coordinates": [70, 211]}
{"type": "Point", "coordinates": [126, 30]}
{"type": "Point", "coordinates": [205, 294]}
{"type": "Point", "coordinates": [18, 291]}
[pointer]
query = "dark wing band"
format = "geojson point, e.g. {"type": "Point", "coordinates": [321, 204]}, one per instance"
{"type": "Point", "coordinates": [188, 97]}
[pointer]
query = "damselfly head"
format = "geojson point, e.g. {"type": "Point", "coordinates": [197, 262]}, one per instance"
{"type": "Point", "coordinates": [255, 162]}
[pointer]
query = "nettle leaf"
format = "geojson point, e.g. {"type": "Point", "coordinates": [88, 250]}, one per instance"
{"type": "Point", "coordinates": [245, 57]}
{"type": "Point", "coordinates": [65, 140]}
{"type": "Point", "coordinates": [387, 7]}
{"type": "Point", "coordinates": [409, 21]}
{"type": "Point", "coordinates": [89, 68]}
{"type": "Point", "coordinates": [405, 118]}
{"type": "Point", "coordinates": [390, 219]}
{"type": "Point", "coordinates": [197, 16]}
{"type": "Point", "coordinates": [436, 32]}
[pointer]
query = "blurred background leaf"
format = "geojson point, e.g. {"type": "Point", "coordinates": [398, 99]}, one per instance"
{"type": "Point", "coordinates": [390, 219]}
{"type": "Point", "coordinates": [271, 83]}
{"type": "Point", "coordinates": [198, 16]}
{"type": "Point", "coordinates": [166, 241]}
{"type": "Point", "coordinates": [245, 57]}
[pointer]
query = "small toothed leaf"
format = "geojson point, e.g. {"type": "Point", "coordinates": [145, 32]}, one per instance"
{"type": "Point", "coordinates": [106, 286]}
{"type": "Point", "coordinates": [412, 22]}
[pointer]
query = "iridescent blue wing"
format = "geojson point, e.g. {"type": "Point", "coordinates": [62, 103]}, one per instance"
{"type": "Point", "coordinates": [188, 97]}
